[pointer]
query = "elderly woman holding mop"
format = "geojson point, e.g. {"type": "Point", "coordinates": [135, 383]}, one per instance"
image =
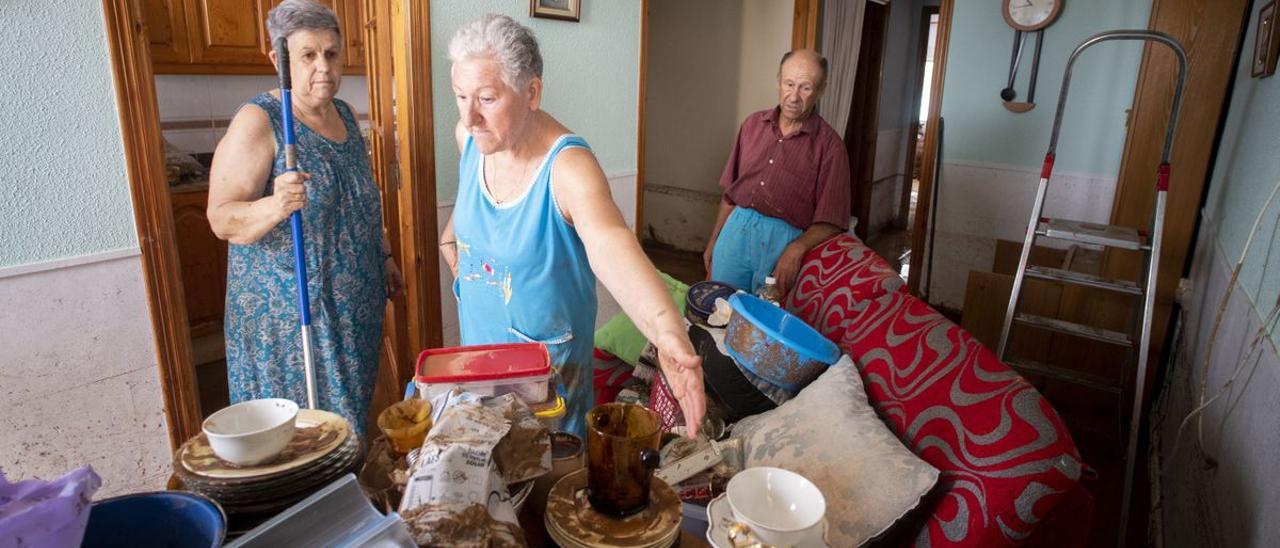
{"type": "Point", "coordinates": [534, 224]}
{"type": "Point", "coordinates": [348, 261]}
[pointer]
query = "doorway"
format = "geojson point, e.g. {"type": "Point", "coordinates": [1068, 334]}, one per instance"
{"type": "Point", "coordinates": [894, 242]}
{"type": "Point", "coordinates": [402, 165]}
{"type": "Point", "coordinates": [862, 128]}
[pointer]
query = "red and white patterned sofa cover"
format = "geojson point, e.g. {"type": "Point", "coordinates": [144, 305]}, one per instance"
{"type": "Point", "coordinates": [1010, 470]}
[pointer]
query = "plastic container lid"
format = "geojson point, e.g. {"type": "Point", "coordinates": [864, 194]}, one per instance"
{"type": "Point", "coordinates": [483, 363]}
{"type": "Point", "coordinates": [702, 296]}
{"type": "Point", "coordinates": [786, 328]}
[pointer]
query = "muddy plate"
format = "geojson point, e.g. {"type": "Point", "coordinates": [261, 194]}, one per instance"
{"type": "Point", "coordinates": [572, 522]}
{"type": "Point", "coordinates": [318, 433]}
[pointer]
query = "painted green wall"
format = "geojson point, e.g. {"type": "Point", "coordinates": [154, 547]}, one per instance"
{"type": "Point", "coordinates": [64, 190]}
{"type": "Point", "coordinates": [980, 129]}
{"type": "Point", "coordinates": [1245, 171]}
{"type": "Point", "coordinates": [591, 75]}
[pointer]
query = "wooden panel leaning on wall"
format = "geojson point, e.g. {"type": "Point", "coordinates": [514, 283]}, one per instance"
{"type": "Point", "coordinates": [1210, 31]}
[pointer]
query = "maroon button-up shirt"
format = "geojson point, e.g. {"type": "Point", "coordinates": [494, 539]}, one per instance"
{"type": "Point", "coordinates": [802, 178]}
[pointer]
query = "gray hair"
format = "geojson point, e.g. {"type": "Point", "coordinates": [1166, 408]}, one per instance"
{"type": "Point", "coordinates": [295, 15]}
{"type": "Point", "coordinates": [500, 37]}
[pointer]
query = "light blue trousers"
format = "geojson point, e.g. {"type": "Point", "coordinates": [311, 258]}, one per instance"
{"type": "Point", "coordinates": [748, 248]}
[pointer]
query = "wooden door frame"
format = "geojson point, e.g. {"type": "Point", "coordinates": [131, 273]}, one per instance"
{"type": "Point", "coordinates": [922, 58]}
{"type": "Point", "coordinates": [644, 78]}
{"type": "Point", "coordinates": [415, 131]}
{"type": "Point", "coordinates": [134, 81]}
{"type": "Point", "coordinates": [153, 215]}
{"type": "Point", "coordinates": [928, 163]}
{"type": "Point", "coordinates": [806, 23]}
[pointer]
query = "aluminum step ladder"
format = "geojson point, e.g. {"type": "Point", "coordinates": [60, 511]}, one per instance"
{"type": "Point", "coordinates": [1147, 241]}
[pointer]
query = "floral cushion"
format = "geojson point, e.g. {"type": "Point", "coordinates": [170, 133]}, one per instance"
{"type": "Point", "coordinates": [1006, 457]}
{"type": "Point", "coordinates": [869, 479]}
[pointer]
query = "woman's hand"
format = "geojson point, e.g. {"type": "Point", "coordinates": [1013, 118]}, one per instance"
{"type": "Point", "coordinates": [289, 193]}
{"type": "Point", "coordinates": [683, 370]}
{"type": "Point", "coordinates": [394, 279]}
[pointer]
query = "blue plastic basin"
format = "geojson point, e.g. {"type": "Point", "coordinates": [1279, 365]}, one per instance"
{"type": "Point", "coordinates": [162, 518]}
{"type": "Point", "coordinates": [775, 344]}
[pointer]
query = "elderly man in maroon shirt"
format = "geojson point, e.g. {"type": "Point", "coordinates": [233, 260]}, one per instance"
{"type": "Point", "coordinates": [786, 184]}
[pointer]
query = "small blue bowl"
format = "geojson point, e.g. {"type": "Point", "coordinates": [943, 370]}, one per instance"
{"type": "Point", "coordinates": [775, 344]}
{"type": "Point", "coordinates": [162, 518]}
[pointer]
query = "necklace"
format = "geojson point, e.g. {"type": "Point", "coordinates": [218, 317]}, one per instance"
{"type": "Point", "coordinates": [513, 189]}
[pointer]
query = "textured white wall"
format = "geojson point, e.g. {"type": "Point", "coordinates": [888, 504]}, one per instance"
{"type": "Point", "coordinates": [63, 189]}
{"type": "Point", "coordinates": [78, 378]}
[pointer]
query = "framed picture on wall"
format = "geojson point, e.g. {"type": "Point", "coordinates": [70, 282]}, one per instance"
{"type": "Point", "coordinates": [565, 10]}
{"type": "Point", "coordinates": [1267, 43]}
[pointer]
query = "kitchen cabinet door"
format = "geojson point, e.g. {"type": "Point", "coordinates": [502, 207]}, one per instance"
{"type": "Point", "coordinates": [228, 32]}
{"type": "Point", "coordinates": [203, 258]}
{"type": "Point", "coordinates": [352, 19]}
{"type": "Point", "coordinates": [166, 27]}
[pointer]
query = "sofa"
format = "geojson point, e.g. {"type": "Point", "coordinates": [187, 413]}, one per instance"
{"type": "Point", "coordinates": [1010, 472]}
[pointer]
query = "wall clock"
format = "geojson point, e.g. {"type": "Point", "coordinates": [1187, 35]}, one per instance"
{"type": "Point", "coordinates": [1031, 15]}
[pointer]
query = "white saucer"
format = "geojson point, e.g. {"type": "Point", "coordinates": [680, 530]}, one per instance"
{"type": "Point", "coordinates": [720, 519]}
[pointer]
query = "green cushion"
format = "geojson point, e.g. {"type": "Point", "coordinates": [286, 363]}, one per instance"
{"type": "Point", "coordinates": [621, 338]}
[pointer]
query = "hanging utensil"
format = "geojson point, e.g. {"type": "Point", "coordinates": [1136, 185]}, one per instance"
{"type": "Point", "coordinates": [1035, 68]}
{"type": "Point", "coordinates": [1008, 93]}
{"type": "Point", "coordinates": [295, 219]}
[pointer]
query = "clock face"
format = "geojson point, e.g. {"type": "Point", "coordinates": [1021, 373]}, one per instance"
{"type": "Point", "coordinates": [1031, 14]}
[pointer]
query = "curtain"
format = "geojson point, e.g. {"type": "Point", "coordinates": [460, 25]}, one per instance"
{"type": "Point", "coordinates": [841, 40]}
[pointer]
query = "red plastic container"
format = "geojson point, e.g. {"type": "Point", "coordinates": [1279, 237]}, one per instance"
{"type": "Point", "coordinates": [487, 370]}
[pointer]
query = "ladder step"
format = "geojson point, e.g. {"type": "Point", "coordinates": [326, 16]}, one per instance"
{"type": "Point", "coordinates": [1080, 278]}
{"type": "Point", "coordinates": [1091, 233]}
{"type": "Point", "coordinates": [1088, 332]}
{"type": "Point", "coordinates": [1075, 377]}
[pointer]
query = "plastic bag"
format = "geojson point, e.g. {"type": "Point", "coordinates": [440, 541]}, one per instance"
{"type": "Point", "coordinates": [47, 513]}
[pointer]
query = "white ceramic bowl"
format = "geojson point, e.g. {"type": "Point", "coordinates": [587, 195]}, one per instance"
{"type": "Point", "coordinates": [781, 507]}
{"type": "Point", "coordinates": [251, 432]}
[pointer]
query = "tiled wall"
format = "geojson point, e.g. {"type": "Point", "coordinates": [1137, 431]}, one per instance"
{"type": "Point", "coordinates": [208, 102]}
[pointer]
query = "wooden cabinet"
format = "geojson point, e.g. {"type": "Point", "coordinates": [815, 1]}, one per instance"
{"type": "Point", "coordinates": [353, 23]}
{"type": "Point", "coordinates": [227, 32]}
{"type": "Point", "coordinates": [203, 258]}
{"type": "Point", "coordinates": [166, 22]}
{"type": "Point", "coordinates": [230, 36]}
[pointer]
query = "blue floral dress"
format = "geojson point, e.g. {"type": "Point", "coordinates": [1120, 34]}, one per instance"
{"type": "Point", "coordinates": [343, 229]}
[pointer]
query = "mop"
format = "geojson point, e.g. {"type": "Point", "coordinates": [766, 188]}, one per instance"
{"type": "Point", "coordinates": [295, 219]}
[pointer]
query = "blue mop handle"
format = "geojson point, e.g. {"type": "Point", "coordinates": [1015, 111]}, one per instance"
{"type": "Point", "coordinates": [295, 218]}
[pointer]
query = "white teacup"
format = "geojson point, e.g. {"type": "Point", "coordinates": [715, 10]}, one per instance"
{"type": "Point", "coordinates": [780, 507]}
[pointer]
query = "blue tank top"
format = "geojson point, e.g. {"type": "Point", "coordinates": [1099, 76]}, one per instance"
{"type": "Point", "coordinates": [523, 274]}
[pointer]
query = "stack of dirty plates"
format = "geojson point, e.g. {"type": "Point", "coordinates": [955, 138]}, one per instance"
{"type": "Point", "coordinates": [323, 449]}
{"type": "Point", "coordinates": [572, 523]}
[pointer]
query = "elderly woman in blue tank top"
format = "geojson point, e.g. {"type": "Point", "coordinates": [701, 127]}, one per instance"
{"type": "Point", "coordinates": [348, 260]}
{"type": "Point", "coordinates": [534, 224]}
